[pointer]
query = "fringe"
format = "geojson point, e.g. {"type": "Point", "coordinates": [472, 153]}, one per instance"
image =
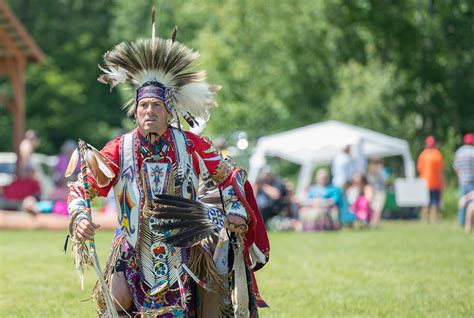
{"type": "Point", "coordinates": [82, 258]}
{"type": "Point", "coordinates": [114, 254]}
{"type": "Point", "coordinates": [240, 292]}
{"type": "Point", "coordinates": [226, 311]}
{"type": "Point", "coordinates": [203, 266]}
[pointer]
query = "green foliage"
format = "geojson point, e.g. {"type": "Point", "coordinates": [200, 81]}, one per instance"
{"type": "Point", "coordinates": [450, 199]}
{"type": "Point", "coordinates": [269, 57]}
{"type": "Point", "coordinates": [370, 94]}
{"type": "Point", "coordinates": [403, 269]}
{"type": "Point", "coordinates": [402, 68]}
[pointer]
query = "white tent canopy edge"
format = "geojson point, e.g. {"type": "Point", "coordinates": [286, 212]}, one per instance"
{"type": "Point", "coordinates": [319, 143]}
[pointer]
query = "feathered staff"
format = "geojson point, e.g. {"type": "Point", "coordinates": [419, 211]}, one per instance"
{"type": "Point", "coordinates": [91, 159]}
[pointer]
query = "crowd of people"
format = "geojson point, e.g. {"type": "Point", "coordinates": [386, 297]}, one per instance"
{"type": "Point", "coordinates": [351, 197]}
{"type": "Point", "coordinates": [354, 192]}
{"type": "Point", "coordinates": [349, 194]}
{"type": "Point", "coordinates": [356, 195]}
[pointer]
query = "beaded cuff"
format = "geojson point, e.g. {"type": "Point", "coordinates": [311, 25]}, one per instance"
{"type": "Point", "coordinates": [232, 203]}
{"type": "Point", "coordinates": [222, 172]}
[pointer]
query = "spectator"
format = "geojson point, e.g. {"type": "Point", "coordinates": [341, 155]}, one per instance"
{"type": "Point", "coordinates": [360, 194]}
{"type": "Point", "coordinates": [430, 167]}
{"type": "Point", "coordinates": [270, 195]}
{"type": "Point", "coordinates": [464, 167]}
{"type": "Point", "coordinates": [25, 191]}
{"type": "Point", "coordinates": [346, 216]}
{"type": "Point", "coordinates": [321, 208]}
{"type": "Point", "coordinates": [27, 148]}
{"type": "Point", "coordinates": [343, 168]}
{"type": "Point", "coordinates": [377, 178]}
{"type": "Point", "coordinates": [466, 202]}
{"type": "Point", "coordinates": [359, 158]}
{"type": "Point", "coordinates": [290, 203]}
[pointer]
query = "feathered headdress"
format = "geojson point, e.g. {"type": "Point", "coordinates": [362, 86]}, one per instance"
{"type": "Point", "coordinates": [162, 68]}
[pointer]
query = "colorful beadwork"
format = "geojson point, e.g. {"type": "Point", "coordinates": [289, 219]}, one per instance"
{"type": "Point", "coordinates": [216, 216]}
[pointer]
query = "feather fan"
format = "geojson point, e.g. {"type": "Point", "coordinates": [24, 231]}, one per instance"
{"type": "Point", "coordinates": [190, 222]}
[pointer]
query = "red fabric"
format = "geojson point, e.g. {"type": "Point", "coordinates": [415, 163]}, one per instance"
{"type": "Point", "coordinates": [202, 145]}
{"type": "Point", "coordinates": [257, 234]}
{"type": "Point", "coordinates": [206, 150]}
{"type": "Point", "coordinates": [22, 188]}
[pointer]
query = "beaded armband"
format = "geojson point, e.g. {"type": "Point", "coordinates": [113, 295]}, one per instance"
{"type": "Point", "coordinates": [77, 212]}
{"type": "Point", "coordinates": [222, 172]}
{"type": "Point", "coordinates": [77, 208]}
{"type": "Point", "coordinates": [233, 195]}
{"type": "Point", "coordinates": [232, 203]}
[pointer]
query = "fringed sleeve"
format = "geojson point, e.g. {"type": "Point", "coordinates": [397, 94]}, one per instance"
{"type": "Point", "coordinates": [75, 200]}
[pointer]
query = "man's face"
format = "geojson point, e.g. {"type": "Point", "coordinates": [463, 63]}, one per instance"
{"type": "Point", "coordinates": [152, 116]}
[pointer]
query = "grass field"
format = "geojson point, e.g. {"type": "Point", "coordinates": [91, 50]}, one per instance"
{"type": "Point", "coordinates": [403, 269]}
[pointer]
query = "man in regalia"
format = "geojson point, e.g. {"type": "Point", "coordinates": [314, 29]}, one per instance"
{"type": "Point", "coordinates": [189, 233]}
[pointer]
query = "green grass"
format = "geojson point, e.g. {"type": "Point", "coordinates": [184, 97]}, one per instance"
{"type": "Point", "coordinates": [404, 269]}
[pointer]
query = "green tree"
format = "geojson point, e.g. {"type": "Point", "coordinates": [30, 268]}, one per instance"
{"type": "Point", "coordinates": [402, 68]}
{"type": "Point", "coordinates": [370, 94]}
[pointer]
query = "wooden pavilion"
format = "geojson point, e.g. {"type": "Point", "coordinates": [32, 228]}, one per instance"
{"type": "Point", "coordinates": [17, 50]}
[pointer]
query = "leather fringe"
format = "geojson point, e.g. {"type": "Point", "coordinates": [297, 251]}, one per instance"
{"type": "Point", "coordinates": [203, 266]}
{"type": "Point", "coordinates": [82, 259]}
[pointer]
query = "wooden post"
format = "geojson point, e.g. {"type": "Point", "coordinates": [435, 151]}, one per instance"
{"type": "Point", "coordinates": [18, 50]}
{"type": "Point", "coordinates": [18, 85]}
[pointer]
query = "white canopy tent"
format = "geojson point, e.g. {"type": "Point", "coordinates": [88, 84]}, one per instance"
{"type": "Point", "coordinates": [320, 143]}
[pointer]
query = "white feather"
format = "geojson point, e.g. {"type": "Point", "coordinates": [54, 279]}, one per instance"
{"type": "Point", "coordinates": [155, 76]}
{"type": "Point", "coordinates": [72, 163]}
{"type": "Point", "coordinates": [196, 98]}
{"type": "Point", "coordinates": [117, 74]}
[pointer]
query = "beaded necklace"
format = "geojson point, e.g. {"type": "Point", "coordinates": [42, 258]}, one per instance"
{"type": "Point", "coordinates": [158, 148]}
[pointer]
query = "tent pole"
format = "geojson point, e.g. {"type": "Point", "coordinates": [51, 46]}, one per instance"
{"type": "Point", "coordinates": [408, 165]}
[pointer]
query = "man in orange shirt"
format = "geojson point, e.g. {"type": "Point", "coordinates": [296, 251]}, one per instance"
{"type": "Point", "coordinates": [430, 168]}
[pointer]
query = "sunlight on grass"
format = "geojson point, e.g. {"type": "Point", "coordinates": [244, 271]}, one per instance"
{"type": "Point", "coordinates": [403, 269]}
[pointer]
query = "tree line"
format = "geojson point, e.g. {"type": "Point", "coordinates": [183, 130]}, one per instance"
{"type": "Point", "coordinates": [400, 67]}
